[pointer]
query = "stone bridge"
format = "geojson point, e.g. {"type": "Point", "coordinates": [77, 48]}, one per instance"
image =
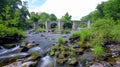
{"type": "Point", "coordinates": [60, 25]}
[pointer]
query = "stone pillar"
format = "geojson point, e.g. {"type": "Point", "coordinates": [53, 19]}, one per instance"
{"type": "Point", "coordinates": [59, 26]}
{"type": "Point", "coordinates": [74, 26]}
{"type": "Point", "coordinates": [46, 25]}
{"type": "Point", "coordinates": [36, 26]}
{"type": "Point", "coordinates": [88, 24]}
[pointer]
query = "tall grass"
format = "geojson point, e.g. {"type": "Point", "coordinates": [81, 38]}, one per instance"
{"type": "Point", "coordinates": [98, 50]}
{"type": "Point", "coordinates": [60, 41]}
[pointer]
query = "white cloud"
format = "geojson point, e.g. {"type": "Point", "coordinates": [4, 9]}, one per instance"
{"type": "Point", "coordinates": [23, 0]}
{"type": "Point", "coordinates": [33, 1]}
{"type": "Point", "coordinates": [76, 8]}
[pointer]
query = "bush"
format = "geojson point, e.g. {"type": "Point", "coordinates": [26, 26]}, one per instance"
{"type": "Point", "coordinates": [106, 29]}
{"type": "Point", "coordinates": [84, 34]}
{"type": "Point", "coordinates": [41, 30]}
{"type": "Point", "coordinates": [6, 32]}
{"type": "Point", "coordinates": [65, 31]}
{"type": "Point", "coordinates": [115, 32]}
{"type": "Point", "coordinates": [3, 31]}
{"type": "Point", "coordinates": [98, 50]}
{"type": "Point", "coordinates": [102, 29]}
{"type": "Point", "coordinates": [76, 34]}
{"type": "Point", "coordinates": [60, 41]}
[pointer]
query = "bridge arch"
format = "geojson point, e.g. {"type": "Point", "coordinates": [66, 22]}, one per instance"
{"type": "Point", "coordinates": [60, 25]}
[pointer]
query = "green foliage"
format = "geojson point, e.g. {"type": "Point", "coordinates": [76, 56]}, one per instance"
{"type": "Point", "coordinates": [92, 16]}
{"type": "Point", "coordinates": [76, 34]}
{"type": "Point", "coordinates": [65, 31]}
{"type": "Point", "coordinates": [85, 34]}
{"type": "Point", "coordinates": [115, 32]}
{"type": "Point", "coordinates": [41, 30]}
{"type": "Point", "coordinates": [98, 50]}
{"type": "Point", "coordinates": [53, 17]}
{"type": "Point", "coordinates": [66, 18]}
{"type": "Point", "coordinates": [43, 17]}
{"type": "Point", "coordinates": [52, 53]}
{"type": "Point", "coordinates": [72, 53]}
{"type": "Point", "coordinates": [13, 19]}
{"type": "Point", "coordinates": [81, 43]}
{"type": "Point", "coordinates": [13, 16]}
{"type": "Point", "coordinates": [60, 41]}
{"type": "Point", "coordinates": [109, 9]}
{"type": "Point", "coordinates": [34, 17]}
{"type": "Point", "coordinates": [102, 29]}
{"type": "Point", "coordinates": [81, 25]}
{"type": "Point", "coordinates": [5, 31]}
{"type": "Point", "coordinates": [67, 25]}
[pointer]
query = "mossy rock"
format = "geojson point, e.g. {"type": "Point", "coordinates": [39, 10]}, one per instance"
{"type": "Point", "coordinates": [35, 55]}
{"type": "Point", "coordinates": [65, 53]}
{"type": "Point", "coordinates": [79, 51]}
{"type": "Point", "coordinates": [61, 47]}
{"type": "Point", "coordinates": [8, 46]}
{"type": "Point", "coordinates": [111, 59]}
{"type": "Point", "coordinates": [24, 49]}
{"type": "Point", "coordinates": [23, 44]}
{"type": "Point", "coordinates": [57, 53]}
{"type": "Point", "coordinates": [8, 61]}
{"type": "Point", "coordinates": [73, 61]}
{"type": "Point", "coordinates": [61, 60]}
{"type": "Point", "coordinates": [52, 53]}
{"type": "Point", "coordinates": [53, 48]}
{"type": "Point", "coordinates": [61, 55]}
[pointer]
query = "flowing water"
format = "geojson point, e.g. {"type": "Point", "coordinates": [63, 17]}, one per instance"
{"type": "Point", "coordinates": [46, 61]}
{"type": "Point", "coordinates": [45, 41]}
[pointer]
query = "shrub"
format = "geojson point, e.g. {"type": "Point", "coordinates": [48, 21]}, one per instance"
{"type": "Point", "coordinates": [41, 30]}
{"type": "Point", "coordinates": [80, 43]}
{"type": "Point", "coordinates": [75, 34]}
{"type": "Point", "coordinates": [65, 31]}
{"type": "Point", "coordinates": [85, 34]}
{"type": "Point", "coordinates": [102, 29]}
{"type": "Point", "coordinates": [115, 32]}
{"type": "Point", "coordinates": [60, 41]}
{"type": "Point", "coordinates": [98, 50]}
{"type": "Point", "coordinates": [5, 31]}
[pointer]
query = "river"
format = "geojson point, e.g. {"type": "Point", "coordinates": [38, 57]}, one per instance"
{"type": "Point", "coordinates": [45, 41]}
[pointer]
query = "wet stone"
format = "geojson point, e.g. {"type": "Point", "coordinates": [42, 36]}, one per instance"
{"type": "Point", "coordinates": [97, 65]}
{"type": "Point", "coordinates": [87, 56]}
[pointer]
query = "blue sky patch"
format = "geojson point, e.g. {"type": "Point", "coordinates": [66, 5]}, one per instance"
{"type": "Point", "coordinates": [35, 3]}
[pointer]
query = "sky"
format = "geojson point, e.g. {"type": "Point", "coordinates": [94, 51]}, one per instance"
{"type": "Point", "coordinates": [76, 8]}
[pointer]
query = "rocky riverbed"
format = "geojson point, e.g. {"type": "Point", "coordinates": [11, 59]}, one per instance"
{"type": "Point", "coordinates": [43, 50]}
{"type": "Point", "coordinates": [28, 52]}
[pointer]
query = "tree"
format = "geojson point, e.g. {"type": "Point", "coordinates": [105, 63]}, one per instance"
{"type": "Point", "coordinates": [109, 9]}
{"type": "Point", "coordinates": [53, 17]}
{"type": "Point", "coordinates": [112, 9]}
{"type": "Point", "coordinates": [12, 17]}
{"type": "Point", "coordinates": [100, 8]}
{"type": "Point", "coordinates": [34, 17]}
{"type": "Point", "coordinates": [66, 18]}
{"type": "Point", "coordinates": [43, 17]}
